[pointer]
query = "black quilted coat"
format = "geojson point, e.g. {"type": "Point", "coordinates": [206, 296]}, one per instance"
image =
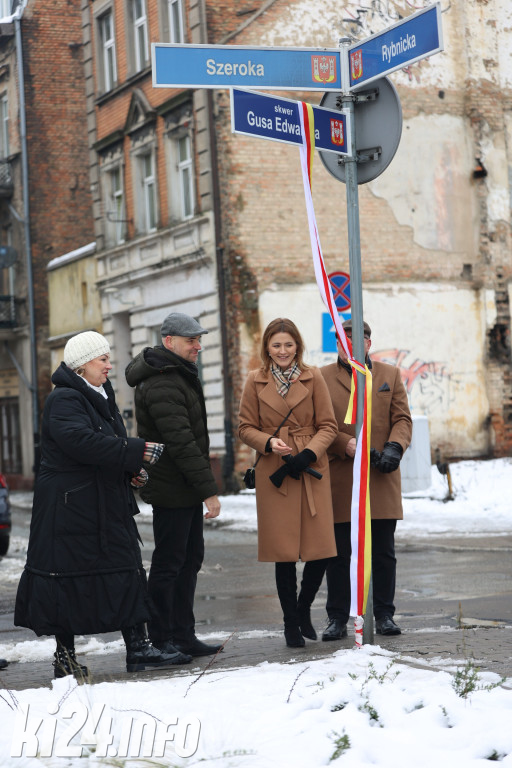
{"type": "Point", "coordinates": [170, 409]}
{"type": "Point", "coordinates": [84, 571]}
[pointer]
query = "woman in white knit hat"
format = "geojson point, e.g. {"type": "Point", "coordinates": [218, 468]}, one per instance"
{"type": "Point", "coordinates": [84, 571]}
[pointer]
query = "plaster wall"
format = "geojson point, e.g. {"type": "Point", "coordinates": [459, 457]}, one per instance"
{"type": "Point", "coordinates": [434, 333]}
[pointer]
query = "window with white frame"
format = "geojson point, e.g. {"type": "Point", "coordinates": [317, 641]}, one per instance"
{"type": "Point", "coordinates": [185, 176]}
{"type": "Point", "coordinates": [175, 21]}
{"type": "Point", "coordinates": [172, 19]}
{"type": "Point", "coordinates": [140, 34]}
{"type": "Point", "coordinates": [4, 126]}
{"type": "Point", "coordinates": [148, 217]}
{"type": "Point", "coordinates": [116, 216]}
{"type": "Point", "coordinates": [5, 8]}
{"type": "Point", "coordinates": [108, 65]}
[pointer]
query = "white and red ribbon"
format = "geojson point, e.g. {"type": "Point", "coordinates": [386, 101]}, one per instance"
{"type": "Point", "coordinates": [360, 567]}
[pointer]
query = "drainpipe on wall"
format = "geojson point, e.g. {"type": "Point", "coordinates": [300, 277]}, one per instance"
{"type": "Point", "coordinates": [229, 459]}
{"type": "Point", "coordinates": [28, 248]}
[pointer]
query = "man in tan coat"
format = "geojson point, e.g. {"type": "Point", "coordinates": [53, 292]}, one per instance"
{"type": "Point", "coordinates": [390, 436]}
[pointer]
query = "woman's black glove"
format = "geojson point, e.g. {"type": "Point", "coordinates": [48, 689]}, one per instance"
{"type": "Point", "coordinates": [279, 475]}
{"type": "Point", "coordinates": [300, 462]}
{"type": "Point", "coordinates": [390, 458]}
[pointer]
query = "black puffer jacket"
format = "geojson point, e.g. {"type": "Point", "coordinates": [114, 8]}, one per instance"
{"type": "Point", "coordinates": [170, 409]}
{"type": "Point", "coordinates": [84, 572]}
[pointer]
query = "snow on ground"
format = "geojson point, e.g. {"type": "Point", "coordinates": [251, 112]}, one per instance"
{"type": "Point", "coordinates": [355, 709]}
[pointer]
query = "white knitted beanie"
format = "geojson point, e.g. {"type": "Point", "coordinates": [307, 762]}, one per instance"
{"type": "Point", "coordinates": [85, 347]}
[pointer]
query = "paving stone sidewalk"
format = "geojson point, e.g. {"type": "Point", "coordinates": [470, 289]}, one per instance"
{"type": "Point", "coordinates": [489, 648]}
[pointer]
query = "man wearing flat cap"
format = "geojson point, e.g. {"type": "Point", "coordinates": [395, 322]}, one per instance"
{"type": "Point", "coordinates": [169, 404]}
{"type": "Point", "coordinates": [390, 436]}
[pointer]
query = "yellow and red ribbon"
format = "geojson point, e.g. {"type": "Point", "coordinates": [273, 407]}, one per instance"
{"type": "Point", "coordinates": [360, 567]}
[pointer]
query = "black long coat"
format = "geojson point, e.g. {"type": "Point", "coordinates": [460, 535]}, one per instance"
{"type": "Point", "coordinates": [84, 571]}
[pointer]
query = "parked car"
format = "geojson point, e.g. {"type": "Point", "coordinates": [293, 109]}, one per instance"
{"type": "Point", "coordinates": [5, 517]}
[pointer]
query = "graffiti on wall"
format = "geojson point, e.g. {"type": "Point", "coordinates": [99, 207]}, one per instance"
{"type": "Point", "coordinates": [428, 383]}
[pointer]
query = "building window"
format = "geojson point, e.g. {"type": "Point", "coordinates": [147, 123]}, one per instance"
{"type": "Point", "coordinates": [186, 178]}
{"type": "Point", "coordinates": [4, 126]}
{"type": "Point", "coordinates": [5, 8]}
{"type": "Point", "coordinates": [10, 436]}
{"type": "Point", "coordinates": [140, 34]}
{"type": "Point", "coordinates": [116, 216]}
{"type": "Point", "coordinates": [108, 51]}
{"type": "Point", "coordinates": [174, 12]}
{"type": "Point", "coordinates": [148, 189]}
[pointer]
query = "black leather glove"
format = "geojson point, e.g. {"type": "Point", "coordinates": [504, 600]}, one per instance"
{"type": "Point", "coordinates": [375, 457]}
{"type": "Point", "coordinates": [299, 462]}
{"type": "Point", "coordinates": [279, 475]}
{"type": "Point", "coordinates": [390, 457]}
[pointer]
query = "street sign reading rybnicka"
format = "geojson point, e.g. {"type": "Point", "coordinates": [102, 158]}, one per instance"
{"type": "Point", "coordinates": [228, 66]}
{"type": "Point", "coordinates": [405, 42]}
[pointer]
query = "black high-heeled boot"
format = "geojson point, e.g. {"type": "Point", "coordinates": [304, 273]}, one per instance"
{"type": "Point", "coordinates": [65, 662]}
{"type": "Point", "coordinates": [312, 576]}
{"type": "Point", "coordinates": [141, 654]}
{"type": "Point", "coordinates": [286, 582]}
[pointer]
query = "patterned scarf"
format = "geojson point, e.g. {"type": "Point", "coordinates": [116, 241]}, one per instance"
{"type": "Point", "coordinates": [284, 379]}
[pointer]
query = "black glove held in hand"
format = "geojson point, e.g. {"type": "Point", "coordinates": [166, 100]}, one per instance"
{"type": "Point", "coordinates": [375, 456]}
{"type": "Point", "coordinates": [300, 462]}
{"type": "Point", "coordinates": [390, 458]}
{"type": "Point", "coordinates": [293, 466]}
{"type": "Point", "coordinates": [279, 475]}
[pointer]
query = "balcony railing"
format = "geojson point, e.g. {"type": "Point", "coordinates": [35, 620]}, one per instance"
{"type": "Point", "coordinates": [6, 182]}
{"type": "Point", "coordinates": [7, 312]}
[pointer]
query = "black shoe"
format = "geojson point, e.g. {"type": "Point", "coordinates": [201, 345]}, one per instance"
{"type": "Point", "coordinates": [293, 636]}
{"type": "Point", "coordinates": [141, 654]}
{"type": "Point", "coordinates": [144, 655]}
{"type": "Point", "coordinates": [306, 627]}
{"type": "Point", "coordinates": [166, 646]}
{"type": "Point", "coordinates": [65, 663]}
{"type": "Point", "coordinates": [386, 626]}
{"type": "Point", "coordinates": [335, 630]}
{"type": "Point", "coordinates": [3, 663]}
{"type": "Point", "coordinates": [196, 647]}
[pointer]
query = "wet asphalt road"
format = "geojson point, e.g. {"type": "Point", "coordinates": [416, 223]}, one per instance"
{"type": "Point", "coordinates": [454, 599]}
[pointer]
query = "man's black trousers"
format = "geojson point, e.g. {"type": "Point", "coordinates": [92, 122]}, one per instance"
{"type": "Point", "coordinates": [338, 571]}
{"type": "Point", "coordinates": [176, 561]}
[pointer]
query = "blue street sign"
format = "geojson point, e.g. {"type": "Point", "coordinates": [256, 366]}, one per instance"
{"type": "Point", "coordinates": [405, 42]}
{"type": "Point", "coordinates": [228, 66]}
{"type": "Point", "coordinates": [329, 341]}
{"type": "Point", "coordinates": [271, 117]}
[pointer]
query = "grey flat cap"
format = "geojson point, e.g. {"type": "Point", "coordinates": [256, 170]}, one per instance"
{"type": "Point", "coordinates": [179, 324]}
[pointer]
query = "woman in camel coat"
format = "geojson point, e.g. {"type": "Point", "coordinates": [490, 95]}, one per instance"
{"type": "Point", "coordinates": [294, 508]}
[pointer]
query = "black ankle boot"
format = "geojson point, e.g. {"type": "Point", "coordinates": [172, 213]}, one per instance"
{"type": "Point", "coordinates": [141, 654]}
{"type": "Point", "coordinates": [65, 663]}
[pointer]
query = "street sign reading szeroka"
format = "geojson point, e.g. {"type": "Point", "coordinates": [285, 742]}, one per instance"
{"type": "Point", "coordinates": [227, 66]}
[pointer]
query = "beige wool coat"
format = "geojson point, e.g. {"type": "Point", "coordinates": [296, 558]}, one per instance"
{"type": "Point", "coordinates": [294, 521]}
{"type": "Point", "coordinates": [391, 422]}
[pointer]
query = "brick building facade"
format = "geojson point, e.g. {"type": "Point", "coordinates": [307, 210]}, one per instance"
{"type": "Point", "coordinates": [47, 210]}
{"type": "Point", "coordinates": [435, 226]}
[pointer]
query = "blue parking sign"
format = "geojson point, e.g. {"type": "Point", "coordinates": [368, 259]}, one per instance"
{"type": "Point", "coordinates": [329, 333]}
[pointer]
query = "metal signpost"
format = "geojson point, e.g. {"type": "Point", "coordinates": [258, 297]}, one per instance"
{"type": "Point", "coordinates": [235, 66]}
{"type": "Point", "coordinates": [345, 77]}
{"type": "Point", "coordinates": [270, 117]}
